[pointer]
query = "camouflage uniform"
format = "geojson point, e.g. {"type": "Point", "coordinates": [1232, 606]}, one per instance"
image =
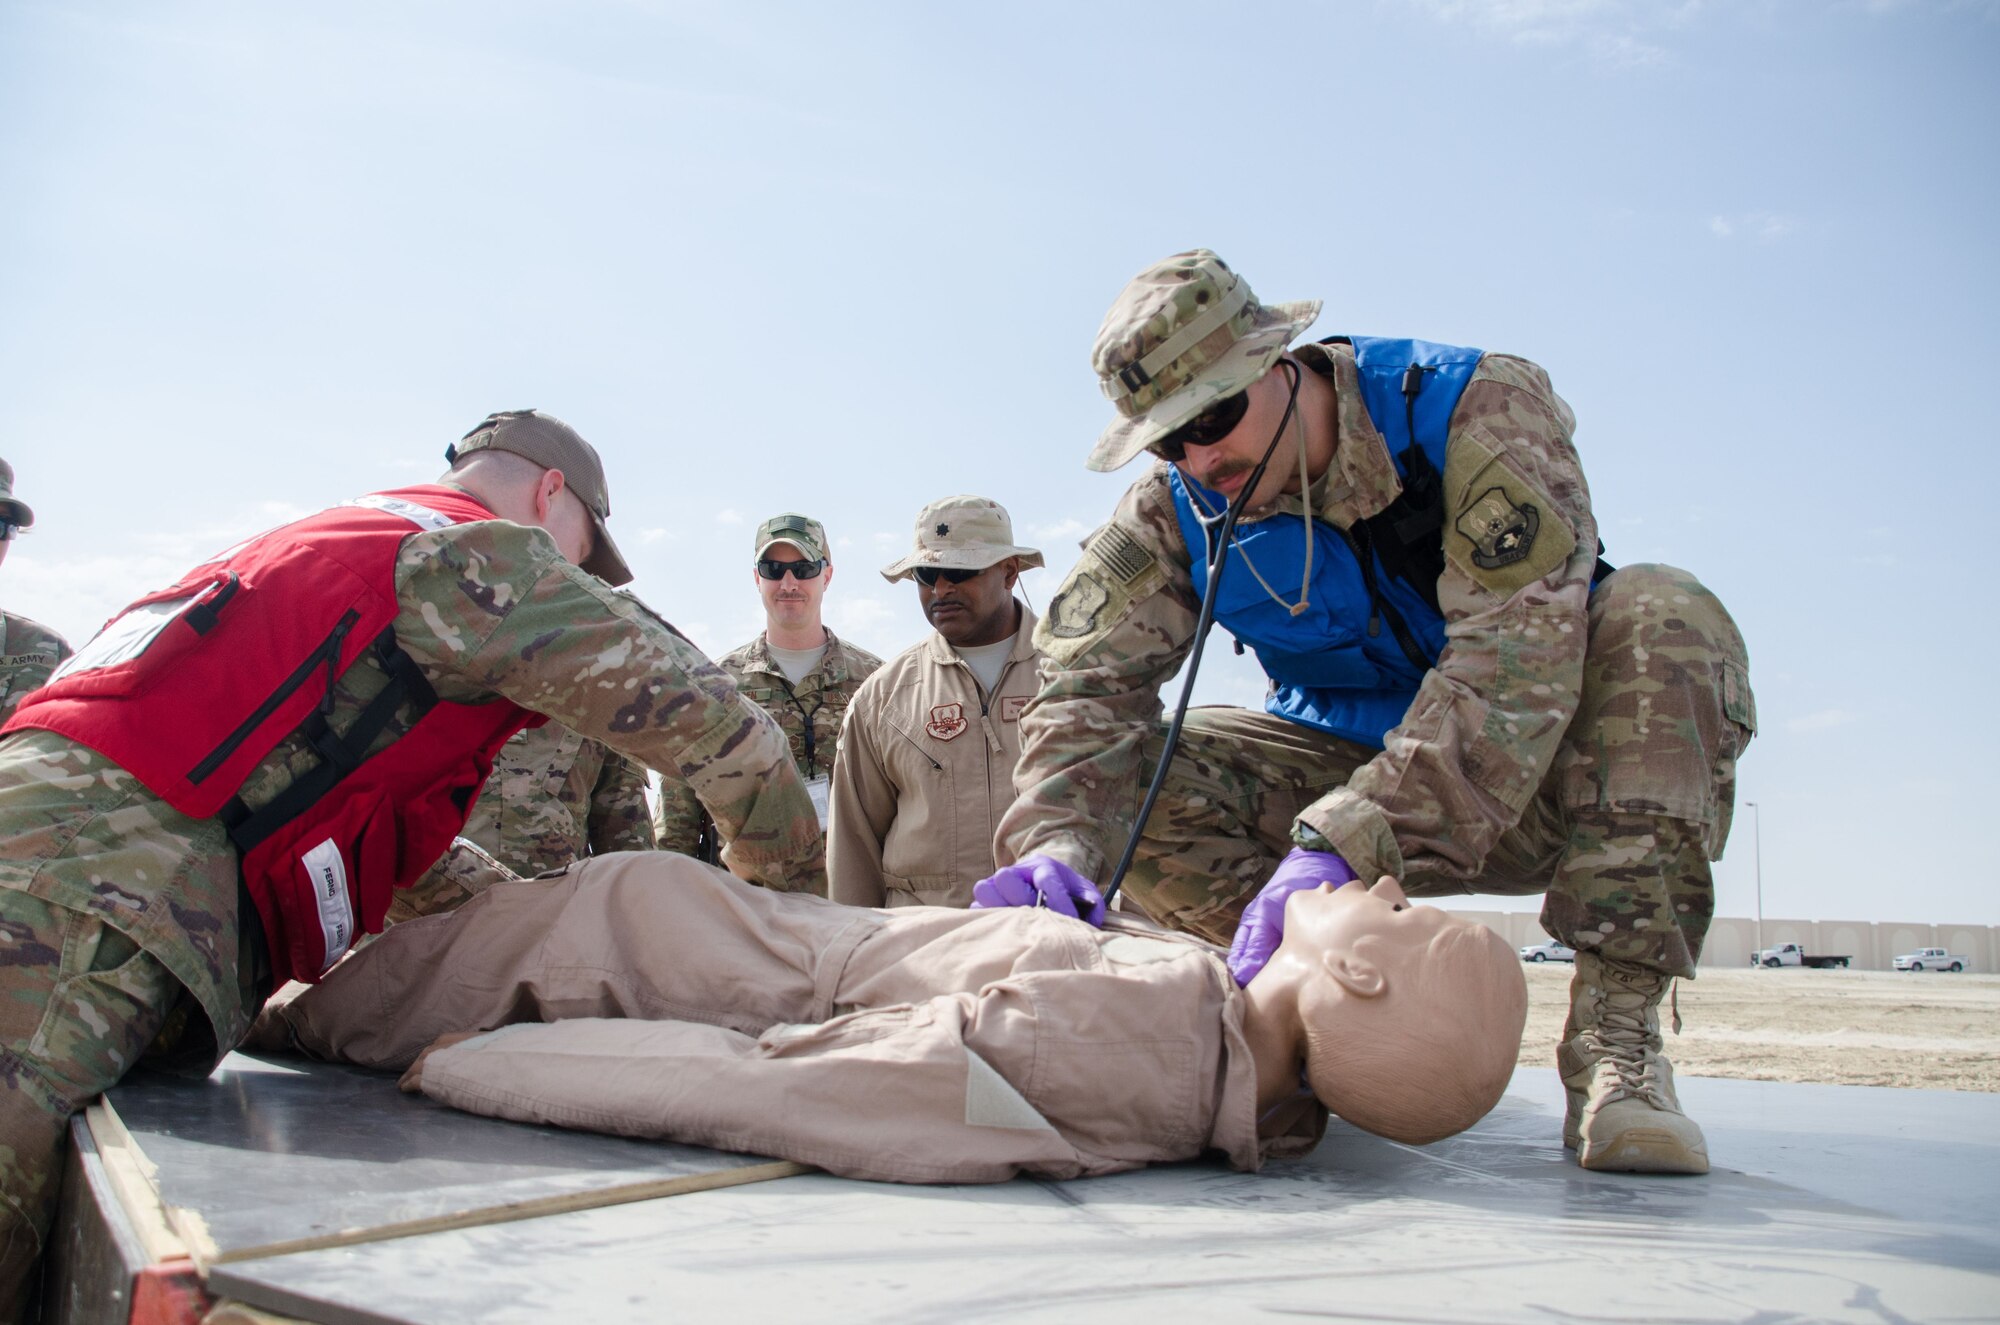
{"type": "Point", "coordinates": [1571, 739]}
{"type": "Point", "coordinates": [121, 918]}
{"type": "Point", "coordinates": [819, 702]}
{"type": "Point", "coordinates": [556, 796]}
{"type": "Point", "coordinates": [29, 651]}
{"type": "Point", "coordinates": [1578, 742]}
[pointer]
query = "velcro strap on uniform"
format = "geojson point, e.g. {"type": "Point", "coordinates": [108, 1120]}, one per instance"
{"type": "Point", "coordinates": [1133, 376]}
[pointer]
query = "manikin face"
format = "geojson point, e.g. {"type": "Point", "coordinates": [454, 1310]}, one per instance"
{"type": "Point", "coordinates": [1351, 941]}
{"type": "Point", "coordinates": [791, 603]}
{"type": "Point", "coordinates": [1353, 926]}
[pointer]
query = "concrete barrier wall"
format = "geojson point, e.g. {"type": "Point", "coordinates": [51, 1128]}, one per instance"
{"type": "Point", "coordinates": [1873, 945]}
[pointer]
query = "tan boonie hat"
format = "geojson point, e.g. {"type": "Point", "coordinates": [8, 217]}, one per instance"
{"type": "Point", "coordinates": [1183, 334]}
{"type": "Point", "coordinates": [553, 444]}
{"type": "Point", "coordinates": [801, 531]}
{"type": "Point", "coordinates": [962, 533]}
{"type": "Point", "coordinates": [12, 509]}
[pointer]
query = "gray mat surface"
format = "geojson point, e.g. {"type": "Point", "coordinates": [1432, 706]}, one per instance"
{"type": "Point", "coordinates": [273, 1151]}
{"type": "Point", "coordinates": [1827, 1203]}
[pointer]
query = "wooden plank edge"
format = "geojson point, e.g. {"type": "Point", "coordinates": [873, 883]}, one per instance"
{"type": "Point", "coordinates": [134, 1180]}
{"type": "Point", "coordinates": [514, 1211]}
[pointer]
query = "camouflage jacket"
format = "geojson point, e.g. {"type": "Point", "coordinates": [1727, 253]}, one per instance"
{"type": "Point", "coordinates": [1483, 729]}
{"type": "Point", "coordinates": [810, 713]}
{"type": "Point", "coordinates": [29, 651]}
{"type": "Point", "coordinates": [487, 609]}
{"type": "Point", "coordinates": [556, 796]}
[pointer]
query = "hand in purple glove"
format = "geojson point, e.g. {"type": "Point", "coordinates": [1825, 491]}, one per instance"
{"type": "Point", "coordinates": [1262, 928]}
{"type": "Point", "coordinates": [1042, 881]}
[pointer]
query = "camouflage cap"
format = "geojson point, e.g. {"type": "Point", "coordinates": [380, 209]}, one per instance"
{"type": "Point", "coordinates": [11, 507]}
{"type": "Point", "coordinates": [1183, 334]}
{"type": "Point", "coordinates": [801, 531]}
{"type": "Point", "coordinates": [553, 444]}
{"type": "Point", "coordinates": [962, 533]}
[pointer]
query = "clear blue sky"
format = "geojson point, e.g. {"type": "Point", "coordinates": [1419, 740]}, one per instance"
{"type": "Point", "coordinates": [848, 258]}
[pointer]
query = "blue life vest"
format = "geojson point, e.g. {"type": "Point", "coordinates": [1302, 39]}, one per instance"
{"type": "Point", "coordinates": [1342, 665]}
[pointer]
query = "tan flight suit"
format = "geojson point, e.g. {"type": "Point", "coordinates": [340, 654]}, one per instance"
{"type": "Point", "coordinates": [926, 770]}
{"type": "Point", "coordinates": [912, 1045]}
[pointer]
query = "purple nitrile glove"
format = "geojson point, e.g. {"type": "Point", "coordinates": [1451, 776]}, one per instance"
{"type": "Point", "coordinates": [1041, 881]}
{"type": "Point", "coordinates": [1262, 928]}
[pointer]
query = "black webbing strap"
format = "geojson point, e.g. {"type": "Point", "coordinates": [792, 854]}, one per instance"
{"type": "Point", "coordinates": [339, 753]}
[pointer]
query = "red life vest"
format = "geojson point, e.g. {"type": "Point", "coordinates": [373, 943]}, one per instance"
{"type": "Point", "coordinates": [189, 688]}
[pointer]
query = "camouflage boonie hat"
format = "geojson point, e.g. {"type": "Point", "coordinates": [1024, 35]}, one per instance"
{"type": "Point", "coordinates": [962, 533]}
{"type": "Point", "coordinates": [1183, 334]}
{"type": "Point", "coordinates": [12, 508]}
{"type": "Point", "coordinates": [553, 444]}
{"type": "Point", "coordinates": [801, 531]}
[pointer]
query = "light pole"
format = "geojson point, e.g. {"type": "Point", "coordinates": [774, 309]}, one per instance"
{"type": "Point", "coordinates": [1757, 855]}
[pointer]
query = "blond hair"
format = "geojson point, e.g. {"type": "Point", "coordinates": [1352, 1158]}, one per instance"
{"type": "Point", "coordinates": [1423, 1077]}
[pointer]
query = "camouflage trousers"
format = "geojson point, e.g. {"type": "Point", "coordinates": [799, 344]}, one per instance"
{"type": "Point", "coordinates": [79, 1002]}
{"type": "Point", "coordinates": [1619, 836]}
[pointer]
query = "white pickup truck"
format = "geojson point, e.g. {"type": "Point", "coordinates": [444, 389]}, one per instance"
{"type": "Point", "coordinates": [1929, 959]}
{"type": "Point", "coordinates": [1791, 954]}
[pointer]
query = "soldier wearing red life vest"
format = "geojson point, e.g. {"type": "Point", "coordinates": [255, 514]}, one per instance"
{"type": "Point", "coordinates": [223, 788]}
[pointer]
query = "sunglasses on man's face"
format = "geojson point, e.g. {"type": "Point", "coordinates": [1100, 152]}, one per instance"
{"type": "Point", "coordinates": [7, 530]}
{"type": "Point", "coordinates": [928, 576]}
{"type": "Point", "coordinates": [1204, 429]}
{"type": "Point", "coordinates": [773, 569]}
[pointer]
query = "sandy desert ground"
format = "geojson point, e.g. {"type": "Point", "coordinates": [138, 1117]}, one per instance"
{"type": "Point", "coordinates": [1851, 1028]}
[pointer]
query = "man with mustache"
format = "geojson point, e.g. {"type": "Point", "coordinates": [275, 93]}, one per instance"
{"type": "Point", "coordinates": [927, 761]}
{"type": "Point", "coordinates": [1463, 695]}
{"type": "Point", "coordinates": [798, 670]}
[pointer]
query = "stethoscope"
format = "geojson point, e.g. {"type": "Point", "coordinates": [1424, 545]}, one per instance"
{"type": "Point", "coordinates": [1218, 532]}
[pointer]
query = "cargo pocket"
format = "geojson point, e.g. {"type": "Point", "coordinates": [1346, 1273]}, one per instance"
{"type": "Point", "coordinates": [1739, 727]}
{"type": "Point", "coordinates": [1666, 707]}
{"type": "Point", "coordinates": [109, 999]}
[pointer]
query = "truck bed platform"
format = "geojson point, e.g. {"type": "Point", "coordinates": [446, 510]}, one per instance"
{"type": "Point", "coordinates": [324, 1194]}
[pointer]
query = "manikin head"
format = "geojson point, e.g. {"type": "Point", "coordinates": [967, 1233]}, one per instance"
{"type": "Point", "coordinates": [1409, 1019]}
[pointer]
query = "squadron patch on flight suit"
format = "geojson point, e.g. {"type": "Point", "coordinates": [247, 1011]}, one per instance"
{"type": "Point", "coordinates": [1504, 532]}
{"type": "Point", "coordinates": [1115, 572]}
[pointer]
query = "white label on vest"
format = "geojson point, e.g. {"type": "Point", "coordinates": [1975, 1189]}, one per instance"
{"type": "Point", "coordinates": [821, 790]}
{"type": "Point", "coordinates": [423, 517]}
{"type": "Point", "coordinates": [124, 639]}
{"type": "Point", "coordinates": [328, 873]}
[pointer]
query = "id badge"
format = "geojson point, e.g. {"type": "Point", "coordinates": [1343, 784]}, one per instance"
{"type": "Point", "coordinates": [821, 791]}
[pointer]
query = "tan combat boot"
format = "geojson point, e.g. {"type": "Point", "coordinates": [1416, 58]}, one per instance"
{"type": "Point", "coordinates": [1623, 1115]}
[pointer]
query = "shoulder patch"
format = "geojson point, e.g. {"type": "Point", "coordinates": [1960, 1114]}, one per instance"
{"type": "Point", "coordinates": [1115, 572]}
{"type": "Point", "coordinates": [1502, 531]}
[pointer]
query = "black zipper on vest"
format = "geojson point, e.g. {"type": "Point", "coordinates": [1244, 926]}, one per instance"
{"type": "Point", "coordinates": [1379, 607]}
{"type": "Point", "coordinates": [327, 655]}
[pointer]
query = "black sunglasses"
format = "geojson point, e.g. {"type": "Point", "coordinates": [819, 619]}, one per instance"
{"type": "Point", "coordinates": [930, 575]}
{"type": "Point", "coordinates": [1204, 429]}
{"type": "Point", "coordinates": [8, 529]}
{"type": "Point", "coordinates": [773, 569]}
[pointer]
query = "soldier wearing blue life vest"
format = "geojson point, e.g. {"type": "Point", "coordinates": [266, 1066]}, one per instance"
{"type": "Point", "coordinates": [1463, 695]}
